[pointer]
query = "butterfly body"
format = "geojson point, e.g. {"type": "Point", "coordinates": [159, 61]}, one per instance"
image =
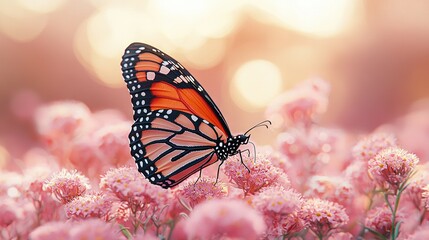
{"type": "Point", "coordinates": [178, 130]}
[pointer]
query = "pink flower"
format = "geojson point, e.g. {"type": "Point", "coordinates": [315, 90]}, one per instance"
{"type": "Point", "coordinates": [279, 207]}
{"type": "Point", "coordinates": [89, 206]}
{"type": "Point", "coordinates": [392, 167]}
{"type": "Point", "coordinates": [128, 185]}
{"type": "Point", "coordinates": [59, 121]}
{"type": "Point", "coordinates": [357, 174]}
{"type": "Point", "coordinates": [367, 148]}
{"type": "Point", "coordinates": [8, 212]}
{"type": "Point", "coordinates": [341, 236]}
{"type": "Point", "coordinates": [94, 229]}
{"type": "Point", "coordinates": [67, 184]}
{"type": "Point", "coordinates": [380, 220]}
{"type": "Point", "coordinates": [416, 191]}
{"type": "Point", "coordinates": [86, 157]}
{"type": "Point", "coordinates": [323, 217]}
{"type": "Point", "coordinates": [224, 218]}
{"type": "Point", "coordinates": [420, 233]}
{"type": "Point", "coordinates": [113, 143]}
{"type": "Point", "coordinates": [262, 173]}
{"type": "Point", "coordinates": [45, 206]}
{"type": "Point", "coordinates": [301, 105]}
{"type": "Point", "coordinates": [195, 192]}
{"type": "Point", "coordinates": [52, 230]}
{"type": "Point", "coordinates": [277, 200]}
{"type": "Point", "coordinates": [336, 189]}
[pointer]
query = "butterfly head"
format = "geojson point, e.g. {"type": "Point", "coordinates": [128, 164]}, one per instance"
{"type": "Point", "coordinates": [243, 139]}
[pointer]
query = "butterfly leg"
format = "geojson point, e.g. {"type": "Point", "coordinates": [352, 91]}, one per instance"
{"type": "Point", "coordinates": [241, 160]}
{"type": "Point", "coordinates": [199, 177]}
{"type": "Point", "coordinates": [248, 152]}
{"type": "Point", "coordinates": [202, 167]}
{"type": "Point", "coordinates": [218, 171]}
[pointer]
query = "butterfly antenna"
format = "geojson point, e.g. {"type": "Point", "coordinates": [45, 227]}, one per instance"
{"type": "Point", "coordinates": [265, 123]}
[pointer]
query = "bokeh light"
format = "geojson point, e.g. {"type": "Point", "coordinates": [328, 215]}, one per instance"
{"type": "Point", "coordinates": [315, 17]}
{"type": "Point", "coordinates": [243, 52]}
{"type": "Point", "coordinates": [255, 84]}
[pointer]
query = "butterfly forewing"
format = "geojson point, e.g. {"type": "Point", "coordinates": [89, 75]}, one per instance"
{"type": "Point", "coordinates": [157, 81]}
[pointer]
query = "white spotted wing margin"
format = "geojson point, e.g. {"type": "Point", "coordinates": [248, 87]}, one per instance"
{"type": "Point", "coordinates": [162, 68]}
{"type": "Point", "coordinates": [169, 146]}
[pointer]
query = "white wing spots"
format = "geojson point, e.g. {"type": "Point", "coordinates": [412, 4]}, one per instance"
{"type": "Point", "coordinates": [126, 60]}
{"type": "Point", "coordinates": [135, 128]}
{"type": "Point", "coordinates": [139, 111]}
{"type": "Point", "coordinates": [143, 102]}
{"type": "Point", "coordinates": [125, 64]}
{"type": "Point", "coordinates": [150, 76]}
{"type": "Point", "coordinates": [137, 103]}
{"type": "Point", "coordinates": [161, 110]}
{"type": "Point", "coordinates": [177, 80]}
{"type": "Point", "coordinates": [141, 151]}
{"type": "Point", "coordinates": [183, 78]}
{"type": "Point", "coordinates": [133, 138]}
{"type": "Point", "coordinates": [200, 88]}
{"type": "Point", "coordinates": [134, 147]}
{"type": "Point", "coordinates": [153, 49]}
{"type": "Point", "coordinates": [133, 88]}
{"type": "Point", "coordinates": [157, 114]}
{"type": "Point", "coordinates": [143, 94]}
{"type": "Point", "coordinates": [128, 51]}
{"type": "Point", "coordinates": [141, 164]}
{"type": "Point", "coordinates": [145, 110]}
{"type": "Point", "coordinates": [152, 179]}
{"type": "Point", "coordinates": [139, 86]}
{"type": "Point", "coordinates": [166, 116]}
{"type": "Point", "coordinates": [194, 118]}
{"type": "Point", "coordinates": [147, 172]}
{"type": "Point", "coordinates": [169, 111]}
{"type": "Point", "coordinates": [158, 176]}
{"type": "Point", "coordinates": [141, 48]}
{"type": "Point", "coordinates": [138, 51]}
{"type": "Point", "coordinates": [164, 70]}
{"type": "Point", "coordinates": [164, 63]}
{"type": "Point", "coordinates": [205, 121]}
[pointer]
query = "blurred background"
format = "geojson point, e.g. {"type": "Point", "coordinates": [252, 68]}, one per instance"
{"type": "Point", "coordinates": [375, 54]}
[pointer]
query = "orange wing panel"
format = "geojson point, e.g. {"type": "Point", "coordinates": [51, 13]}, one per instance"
{"type": "Point", "coordinates": [147, 56]}
{"type": "Point", "coordinates": [147, 66]}
{"type": "Point", "coordinates": [191, 102]}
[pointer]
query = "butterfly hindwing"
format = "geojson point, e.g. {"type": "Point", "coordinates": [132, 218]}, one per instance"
{"type": "Point", "coordinates": [157, 81]}
{"type": "Point", "coordinates": [170, 145]}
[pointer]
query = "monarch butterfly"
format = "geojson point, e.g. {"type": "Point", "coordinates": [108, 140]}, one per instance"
{"type": "Point", "coordinates": [178, 130]}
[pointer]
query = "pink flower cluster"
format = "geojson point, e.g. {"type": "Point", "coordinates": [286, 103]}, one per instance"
{"type": "Point", "coordinates": [315, 183]}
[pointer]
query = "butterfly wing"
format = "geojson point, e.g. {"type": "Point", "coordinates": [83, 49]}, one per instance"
{"type": "Point", "coordinates": [157, 81]}
{"type": "Point", "coordinates": [170, 145]}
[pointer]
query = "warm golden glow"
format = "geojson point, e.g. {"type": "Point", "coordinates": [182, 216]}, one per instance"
{"type": "Point", "coordinates": [18, 23]}
{"type": "Point", "coordinates": [255, 84]}
{"type": "Point", "coordinates": [315, 17]}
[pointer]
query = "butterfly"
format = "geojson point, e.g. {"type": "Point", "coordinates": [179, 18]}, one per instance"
{"type": "Point", "coordinates": [178, 130]}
